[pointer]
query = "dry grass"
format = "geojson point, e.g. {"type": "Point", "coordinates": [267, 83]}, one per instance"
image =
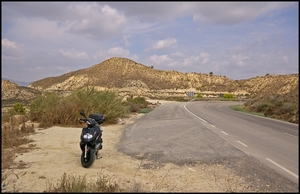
{"type": "Point", "coordinates": [13, 136]}
{"type": "Point", "coordinates": [71, 183]}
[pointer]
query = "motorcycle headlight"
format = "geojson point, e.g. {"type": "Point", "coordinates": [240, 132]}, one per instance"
{"type": "Point", "coordinates": [87, 136]}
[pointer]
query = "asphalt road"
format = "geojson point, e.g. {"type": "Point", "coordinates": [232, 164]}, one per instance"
{"type": "Point", "coordinates": [210, 132]}
{"type": "Point", "coordinates": [273, 142]}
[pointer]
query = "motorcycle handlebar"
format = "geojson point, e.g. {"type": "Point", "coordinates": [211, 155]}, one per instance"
{"type": "Point", "coordinates": [82, 120]}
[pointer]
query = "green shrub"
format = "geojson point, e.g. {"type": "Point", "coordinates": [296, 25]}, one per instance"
{"type": "Point", "coordinates": [104, 102]}
{"type": "Point", "coordinates": [175, 98]}
{"type": "Point", "coordinates": [52, 109]}
{"type": "Point", "coordinates": [43, 108]}
{"type": "Point", "coordinates": [140, 101]}
{"type": "Point", "coordinates": [19, 108]}
{"type": "Point", "coordinates": [135, 104]}
{"type": "Point", "coordinates": [263, 107]}
{"type": "Point", "coordinates": [228, 95]}
{"type": "Point", "coordinates": [199, 96]}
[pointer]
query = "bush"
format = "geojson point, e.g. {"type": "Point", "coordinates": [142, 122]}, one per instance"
{"type": "Point", "coordinates": [228, 95]}
{"type": "Point", "coordinates": [287, 108]}
{"type": "Point", "coordinates": [263, 107]}
{"type": "Point", "coordinates": [133, 107]}
{"type": "Point", "coordinates": [75, 184]}
{"type": "Point", "coordinates": [283, 107]}
{"type": "Point", "coordinates": [43, 108]}
{"type": "Point", "coordinates": [135, 104]}
{"type": "Point", "coordinates": [104, 102]}
{"type": "Point", "coordinates": [199, 96]}
{"type": "Point", "coordinates": [140, 101]}
{"type": "Point", "coordinates": [52, 109]}
{"type": "Point", "coordinates": [175, 98]}
{"type": "Point", "coordinates": [19, 108]}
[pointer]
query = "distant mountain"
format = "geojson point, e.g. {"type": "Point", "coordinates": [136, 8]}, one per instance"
{"type": "Point", "coordinates": [19, 83]}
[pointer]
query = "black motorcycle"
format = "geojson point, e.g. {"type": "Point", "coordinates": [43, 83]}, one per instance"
{"type": "Point", "coordinates": [91, 138]}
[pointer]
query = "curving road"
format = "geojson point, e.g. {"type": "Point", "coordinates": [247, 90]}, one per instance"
{"type": "Point", "coordinates": [193, 132]}
{"type": "Point", "coordinates": [274, 143]}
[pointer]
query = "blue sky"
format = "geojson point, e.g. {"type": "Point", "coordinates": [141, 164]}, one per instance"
{"type": "Point", "coordinates": [239, 40]}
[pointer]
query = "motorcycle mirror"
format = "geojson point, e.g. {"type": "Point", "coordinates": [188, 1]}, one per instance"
{"type": "Point", "coordinates": [82, 113]}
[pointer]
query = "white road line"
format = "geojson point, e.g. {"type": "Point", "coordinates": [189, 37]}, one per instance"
{"type": "Point", "coordinates": [194, 114]}
{"type": "Point", "coordinates": [291, 135]}
{"type": "Point", "coordinates": [242, 143]}
{"type": "Point", "coordinates": [293, 174]}
{"type": "Point", "coordinates": [224, 132]}
{"type": "Point", "coordinates": [213, 126]}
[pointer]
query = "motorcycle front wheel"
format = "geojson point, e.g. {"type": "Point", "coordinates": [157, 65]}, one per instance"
{"type": "Point", "coordinates": [90, 158]}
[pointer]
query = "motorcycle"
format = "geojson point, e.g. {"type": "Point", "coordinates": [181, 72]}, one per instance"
{"type": "Point", "coordinates": [91, 138]}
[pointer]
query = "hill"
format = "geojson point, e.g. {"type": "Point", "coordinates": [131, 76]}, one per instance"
{"type": "Point", "coordinates": [19, 83]}
{"type": "Point", "coordinates": [12, 93]}
{"type": "Point", "coordinates": [122, 73]}
{"type": "Point", "coordinates": [130, 78]}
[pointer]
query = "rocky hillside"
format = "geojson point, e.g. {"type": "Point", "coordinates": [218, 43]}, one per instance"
{"type": "Point", "coordinates": [128, 77]}
{"type": "Point", "coordinates": [122, 73]}
{"type": "Point", "coordinates": [12, 93]}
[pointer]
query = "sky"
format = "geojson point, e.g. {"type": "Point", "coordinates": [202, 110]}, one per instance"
{"type": "Point", "coordinates": [239, 40]}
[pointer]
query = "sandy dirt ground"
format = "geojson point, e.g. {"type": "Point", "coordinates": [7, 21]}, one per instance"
{"type": "Point", "coordinates": [56, 151]}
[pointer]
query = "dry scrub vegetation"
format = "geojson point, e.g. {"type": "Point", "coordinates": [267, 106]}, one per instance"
{"type": "Point", "coordinates": [52, 109]}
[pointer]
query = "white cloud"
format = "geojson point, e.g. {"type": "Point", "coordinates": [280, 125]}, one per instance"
{"type": "Point", "coordinates": [99, 54]}
{"type": "Point", "coordinates": [74, 54]}
{"type": "Point", "coordinates": [6, 44]}
{"type": "Point", "coordinates": [97, 22]}
{"type": "Point", "coordinates": [160, 59]}
{"type": "Point", "coordinates": [177, 54]}
{"type": "Point", "coordinates": [228, 13]}
{"type": "Point", "coordinates": [38, 29]}
{"type": "Point", "coordinates": [118, 51]}
{"type": "Point", "coordinates": [239, 59]}
{"type": "Point", "coordinates": [204, 58]}
{"type": "Point", "coordinates": [36, 69]}
{"type": "Point", "coordinates": [225, 13]}
{"type": "Point", "coordinates": [11, 50]}
{"type": "Point", "coordinates": [190, 60]}
{"type": "Point", "coordinates": [163, 44]}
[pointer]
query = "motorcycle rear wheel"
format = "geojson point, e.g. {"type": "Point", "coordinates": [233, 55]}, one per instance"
{"type": "Point", "coordinates": [89, 160]}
